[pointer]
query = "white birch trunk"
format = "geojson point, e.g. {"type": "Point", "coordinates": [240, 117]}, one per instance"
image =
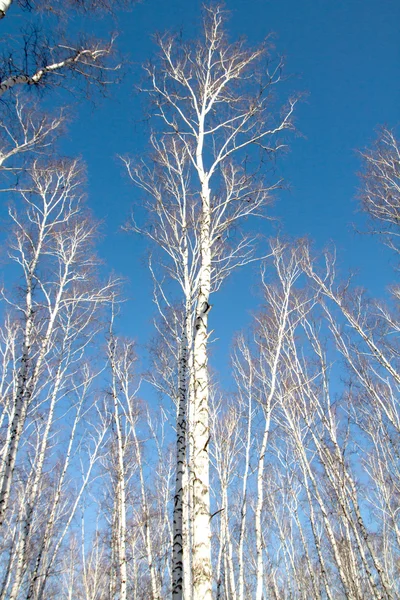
{"type": "Point", "coordinates": [52, 558]}
{"type": "Point", "coordinates": [188, 521]}
{"type": "Point", "coordinates": [26, 383]}
{"type": "Point", "coordinates": [120, 493]}
{"type": "Point", "coordinates": [316, 592]}
{"type": "Point", "coordinates": [7, 575]}
{"type": "Point", "coordinates": [321, 559]}
{"type": "Point", "coordinates": [243, 509]}
{"type": "Point", "coordinates": [219, 561]}
{"type": "Point", "coordinates": [25, 391]}
{"type": "Point", "coordinates": [331, 536]}
{"type": "Point", "coordinates": [202, 574]}
{"type": "Point", "coordinates": [229, 570]}
{"type": "Point", "coordinates": [179, 543]}
{"type": "Point", "coordinates": [112, 584]}
{"type": "Point", "coordinates": [122, 559]}
{"type": "Point", "coordinates": [282, 324]}
{"type": "Point", "coordinates": [259, 505]}
{"type": "Point", "coordinates": [20, 554]}
{"type": "Point", "coordinates": [147, 537]}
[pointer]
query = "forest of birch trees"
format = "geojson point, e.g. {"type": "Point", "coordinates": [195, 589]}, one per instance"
{"type": "Point", "coordinates": [134, 474]}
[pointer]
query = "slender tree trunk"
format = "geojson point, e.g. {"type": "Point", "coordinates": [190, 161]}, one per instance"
{"type": "Point", "coordinates": [188, 508]}
{"type": "Point", "coordinates": [112, 583]}
{"type": "Point", "coordinates": [52, 515]}
{"type": "Point", "coordinates": [18, 417]}
{"type": "Point", "coordinates": [7, 575]}
{"type": "Point", "coordinates": [218, 571]}
{"type": "Point", "coordinates": [316, 592]}
{"type": "Point", "coordinates": [179, 543]}
{"type": "Point", "coordinates": [230, 583]}
{"type": "Point", "coordinates": [121, 503]}
{"type": "Point", "coordinates": [259, 506]}
{"type": "Point", "coordinates": [202, 574]}
{"type": "Point", "coordinates": [314, 529]}
{"type": "Point", "coordinates": [146, 515]}
{"type": "Point", "coordinates": [44, 576]}
{"type": "Point", "coordinates": [243, 509]}
{"type": "Point", "coordinates": [331, 536]}
{"type": "Point", "coordinates": [22, 397]}
{"type": "Point", "coordinates": [122, 560]}
{"type": "Point", "coordinates": [274, 362]}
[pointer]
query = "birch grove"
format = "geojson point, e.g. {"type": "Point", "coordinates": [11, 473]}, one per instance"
{"type": "Point", "coordinates": [134, 469]}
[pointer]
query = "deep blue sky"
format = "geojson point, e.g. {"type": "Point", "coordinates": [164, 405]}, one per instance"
{"type": "Point", "coordinates": [345, 55]}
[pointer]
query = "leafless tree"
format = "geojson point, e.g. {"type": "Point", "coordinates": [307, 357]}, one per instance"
{"type": "Point", "coordinates": [215, 100]}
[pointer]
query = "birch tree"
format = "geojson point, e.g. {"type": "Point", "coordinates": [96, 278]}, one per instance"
{"type": "Point", "coordinates": [365, 333]}
{"type": "Point", "coordinates": [215, 98]}
{"type": "Point", "coordinates": [225, 455]}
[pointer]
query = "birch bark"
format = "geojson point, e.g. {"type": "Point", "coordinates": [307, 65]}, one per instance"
{"type": "Point", "coordinates": [4, 6]}
{"type": "Point", "coordinates": [121, 481]}
{"type": "Point", "coordinates": [179, 530]}
{"type": "Point", "coordinates": [202, 574]}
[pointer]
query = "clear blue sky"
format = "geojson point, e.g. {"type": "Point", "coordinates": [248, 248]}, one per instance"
{"type": "Point", "coordinates": [344, 54]}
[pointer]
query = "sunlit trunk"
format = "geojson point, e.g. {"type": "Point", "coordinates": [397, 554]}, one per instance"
{"type": "Point", "coordinates": [201, 431]}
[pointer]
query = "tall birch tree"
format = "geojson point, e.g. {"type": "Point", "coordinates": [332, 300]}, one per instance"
{"type": "Point", "coordinates": [215, 99]}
